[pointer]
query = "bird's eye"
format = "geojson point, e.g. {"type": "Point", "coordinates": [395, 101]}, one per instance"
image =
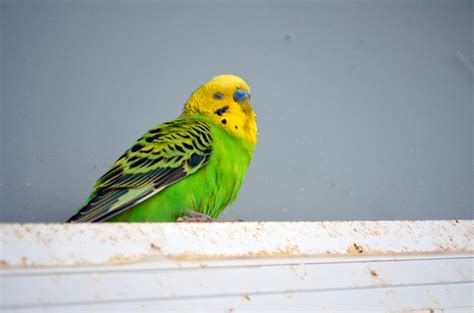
{"type": "Point", "coordinates": [241, 94]}
{"type": "Point", "coordinates": [218, 96]}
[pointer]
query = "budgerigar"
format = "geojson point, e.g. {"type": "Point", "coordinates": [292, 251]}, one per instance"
{"type": "Point", "coordinates": [190, 168]}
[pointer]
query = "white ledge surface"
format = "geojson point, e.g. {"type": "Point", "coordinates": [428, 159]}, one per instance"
{"type": "Point", "coordinates": [230, 267]}
{"type": "Point", "coordinates": [83, 244]}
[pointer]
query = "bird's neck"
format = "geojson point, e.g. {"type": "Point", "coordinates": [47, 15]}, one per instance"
{"type": "Point", "coordinates": [235, 122]}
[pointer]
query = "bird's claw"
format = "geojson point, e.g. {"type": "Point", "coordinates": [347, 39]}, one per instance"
{"type": "Point", "coordinates": [194, 217]}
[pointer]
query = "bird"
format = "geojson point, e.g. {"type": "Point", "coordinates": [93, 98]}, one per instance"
{"type": "Point", "coordinates": [185, 170]}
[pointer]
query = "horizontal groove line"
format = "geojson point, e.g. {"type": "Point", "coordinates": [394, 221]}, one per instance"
{"type": "Point", "coordinates": [101, 269]}
{"type": "Point", "coordinates": [29, 305]}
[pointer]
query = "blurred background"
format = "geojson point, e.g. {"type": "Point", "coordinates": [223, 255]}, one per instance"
{"type": "Point", "coordinates": [365, 108]}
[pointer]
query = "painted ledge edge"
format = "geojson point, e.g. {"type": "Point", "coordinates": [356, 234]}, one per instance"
{"type": "Point", "coordinates": [38, 245]}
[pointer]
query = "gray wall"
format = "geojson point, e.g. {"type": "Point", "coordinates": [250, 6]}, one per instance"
{"type": "Point", "coordinates": [365, 109]}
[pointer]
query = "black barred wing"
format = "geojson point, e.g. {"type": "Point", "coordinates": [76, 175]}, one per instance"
{"type": "Point", "coordinates": [163, 156]}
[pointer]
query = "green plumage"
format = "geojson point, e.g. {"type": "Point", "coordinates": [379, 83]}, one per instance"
{"type": "Point", "coordinates": [189, 164]}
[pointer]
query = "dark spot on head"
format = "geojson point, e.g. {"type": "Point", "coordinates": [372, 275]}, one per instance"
{"type": "Point", "coordinates": [221, 110]}
{"type": "Point", "coordinates": [224, 121]}
{"type": "Point", "coordinates": [235, 126]}
{"type": "Point", "coordinates": [218, 96]}
{"type": "Point", "coordinates": [136, 147]}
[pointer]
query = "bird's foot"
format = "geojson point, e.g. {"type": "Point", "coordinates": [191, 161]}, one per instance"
{"type": "Point", "coordinates": [194, 217]}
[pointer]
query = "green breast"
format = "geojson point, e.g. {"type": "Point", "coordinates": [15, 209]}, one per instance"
{"type": "Point", "coordinates": [207, 191]}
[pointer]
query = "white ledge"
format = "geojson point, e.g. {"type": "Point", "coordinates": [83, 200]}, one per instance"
{"type": "Point", "coordinates": [37, 245]}
{"type": "Point", "coordinates": [393, 266]}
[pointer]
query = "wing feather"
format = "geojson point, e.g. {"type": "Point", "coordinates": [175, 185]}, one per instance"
{"type": "Point", "coordinates": [164, 155]}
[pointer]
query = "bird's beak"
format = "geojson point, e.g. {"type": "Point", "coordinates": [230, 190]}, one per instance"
{"type": "Point", "coordinates": [246, 105]}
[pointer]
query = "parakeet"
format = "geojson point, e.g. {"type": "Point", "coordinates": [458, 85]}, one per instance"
{"type": "Point", "coordinates": [189, 168]}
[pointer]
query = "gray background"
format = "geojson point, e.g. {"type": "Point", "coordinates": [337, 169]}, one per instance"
{"type": "Point", "coordinates": [365, 109]}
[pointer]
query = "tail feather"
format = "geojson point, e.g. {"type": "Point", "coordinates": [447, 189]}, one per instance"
{"type": "Point", "coordinates": [98, 205]}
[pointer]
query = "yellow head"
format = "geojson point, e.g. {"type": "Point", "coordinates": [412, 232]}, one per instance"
{"type": "Point", "coordinates": [226, 100]}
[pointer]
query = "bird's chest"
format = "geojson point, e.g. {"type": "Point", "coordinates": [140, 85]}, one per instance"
{"type": "Point", "coordinates": [224, 174]}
